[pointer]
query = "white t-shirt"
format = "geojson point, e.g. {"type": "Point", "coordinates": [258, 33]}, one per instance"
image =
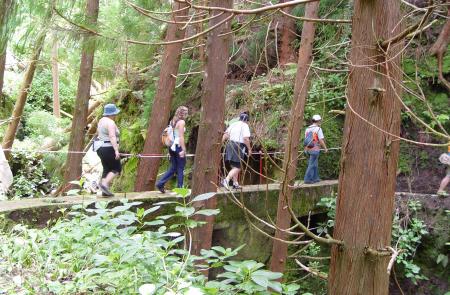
{"type": "Point", "coordinates": [315, 129]}
{"type": "Point", "coordinates": [6, 177]}
{"type": "Point", "coordinates": [238, 131]}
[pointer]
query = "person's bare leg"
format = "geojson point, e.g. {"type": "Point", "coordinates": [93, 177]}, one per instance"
{"type": "Point", "coordinates": [234, 173]}
{"type": "Point", "coordinates": [444, 183]}
{"type": "Point", "coordinates": [108, 179]}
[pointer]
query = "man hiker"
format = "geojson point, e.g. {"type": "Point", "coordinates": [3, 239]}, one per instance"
{"type": "Point", "coordinates": [314, 139]}
{"type": "Point", "coordinates": [237, 149]}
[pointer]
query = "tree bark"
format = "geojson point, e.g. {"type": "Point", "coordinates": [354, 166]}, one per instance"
{"type": "Point", "coordinates": [11, 131]}
{"type": "Point", "coordinates": [73, 164]}
{"type": "Point", "coordinates": [279, 249]}
{"type": "Point", "coordinates": [369, 157]}
{"type": "Point", "coordinates": [287, 36]}
{"type": "Point", "coordinates": [207, 154]}
{"type": "Point", "coordinates": [55, 76]}
{"type": "Point", "coordinates": [148, 167]}
{"type": "Point", "coordinates": [2, 71]}
{"type": "Point", "coordinates": [5, 9]}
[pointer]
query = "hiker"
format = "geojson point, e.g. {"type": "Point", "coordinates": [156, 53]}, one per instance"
{"type": "Point", "coordinates": [6, 177]}
{"type": "Point", "coordinates": [313, 140]}
{"type": "Point", "coordinates": [237, 149]}
{"type": "Point", "coordinates": [177, 150]}
{"type": "Point", "coordinates": [445, 159]}
{"type": "Point", "coordinates": [106, 145]}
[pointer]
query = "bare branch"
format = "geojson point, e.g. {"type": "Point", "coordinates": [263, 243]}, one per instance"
{"type": "Point", "coordinates": [145, 13]}
{"type": "Point", "coordinates": [393, 257]}
{"type": "Point", "coordinates": [316, 20]}
{"type": "Point", "coordinates": [408, 30]}
{"type": "Point", "coordinates": [247, 11]}
{"type": "Point", "coordinates": [318, 274]}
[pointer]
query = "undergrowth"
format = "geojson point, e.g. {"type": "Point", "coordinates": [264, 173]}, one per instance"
{"type": "Point", "coordinates": [102, 250]}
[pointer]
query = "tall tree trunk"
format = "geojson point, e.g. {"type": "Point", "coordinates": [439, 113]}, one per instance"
{"type": "Point", "coordinates": [55, 77]}
{"type": "Point", "coordinates": [369, 157]}
{"type": "Point", "coordinates": [279, 249]}
{"type": "Point", "coordinates": [148, 167]}
{"type": "Point", "coordinates": [207, 154]}
{"type": "Point", "coordinates": [2, 71]}
{"type": "Point", "coordinates": [11, 131]}
{"type": "Point", "coordinates": [5, 10]}
{"type": "Point", "coordinates": [73, 164]}
{"type": "Point", "coordinates": [287, 36]}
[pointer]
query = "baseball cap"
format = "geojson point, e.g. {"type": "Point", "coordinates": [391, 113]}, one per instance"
{"type": "Point", "coordinates": [317, 118]}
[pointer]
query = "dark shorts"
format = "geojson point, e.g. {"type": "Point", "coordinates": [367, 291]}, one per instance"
{"type": "Point", "coordinates": [109, 162]}
{"type": "Point", "coordinates": [235, 164]}
{"type": "Point", "coordinates": [235, 153]}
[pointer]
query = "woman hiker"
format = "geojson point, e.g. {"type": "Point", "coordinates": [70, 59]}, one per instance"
{"type": "Point", "coordinates": [445, 159]}
{"type": "Point", "coordinates": [107, 146]}
{"type": "Point", "coordinates": [313, 149]}
{"type": "Point", "coordinates": [177, 151]}
{"type": "Point", "coordinates": [237, 149]}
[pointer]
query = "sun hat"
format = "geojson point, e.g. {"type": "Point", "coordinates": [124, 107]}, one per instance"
{"type": "Point", "coordinates": [110, 110]}
{"type": "Point", "coordinates": [316, 118]}
{"type": "Point", "coordinates": [445, 159]}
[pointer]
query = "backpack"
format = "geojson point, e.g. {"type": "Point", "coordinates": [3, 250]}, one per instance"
{"type": "Point", "coordinates": [168, 135]}
{"type": "Point", "coordinates": [310, 140]}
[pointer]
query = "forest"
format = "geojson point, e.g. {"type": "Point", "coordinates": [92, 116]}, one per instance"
{"type": "Point", "coordinates": [188, 147]}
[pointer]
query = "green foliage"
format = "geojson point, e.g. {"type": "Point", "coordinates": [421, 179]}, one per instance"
{"type": "Point", "coordinates": [40, 95]}
{"type": "Point", "coordinates": [30, 177]}
{"type": "Point", "coordinates": [118, 250]}
{"type": "Point", "coordinates": [407, 232]}
{"type": "Point", "coordinates": [42, 124]}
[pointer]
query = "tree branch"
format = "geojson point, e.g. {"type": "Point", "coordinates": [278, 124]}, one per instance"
{"type": "Point", "coordinates": [316, 20]}
{"type": "Point", "coordinates": [147, 14]}
{"type": "Point", "coordinates": [247, 11]}
{"type": "Point", "coordinates": [318, 274]}
{"type": "Point", "coordinates": [407, 31]}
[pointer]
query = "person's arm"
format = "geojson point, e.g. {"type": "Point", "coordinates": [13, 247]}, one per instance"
{"type": "Point", "coordinates": [322, 143]}
{"type": "Point", "coordinates": [225, 136]}
{"type": "Point", "coordinates": [247, 144]}
{"type": "Point", "coordinates": [322, 140]}
{"type": "Point", "coordinates": [180, 127]}
{"type": "Point", "coordinates": [113, 138]}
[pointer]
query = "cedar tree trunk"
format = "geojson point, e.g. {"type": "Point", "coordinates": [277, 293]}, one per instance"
{"type": "Point", "coordinates": [2, 71]}
{"type": "Point", "coordinates": [5, 10]}
{"type": "Point", "coordinates": [73, 164]}
{"type": "Point", "coordinates": [287, 36]}
{"type": "Point", "coordinates": [207, 154]}
{"type": "Point", "coordinates": [279, 249]}
{"type": "Point", "coordinates": [369, 157]}
{"type": "Point", "coordinates": [148, 167]}
{"type": "Point", "coordinates": [55, 76]}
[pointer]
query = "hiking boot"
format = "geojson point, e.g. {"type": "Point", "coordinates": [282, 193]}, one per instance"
{"type": "Point", "coordinates": [225, 184]}
{"type": "Point", "coordinates": [105, 191]}
{"type": "Point", "coordinates": [161, 188]}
